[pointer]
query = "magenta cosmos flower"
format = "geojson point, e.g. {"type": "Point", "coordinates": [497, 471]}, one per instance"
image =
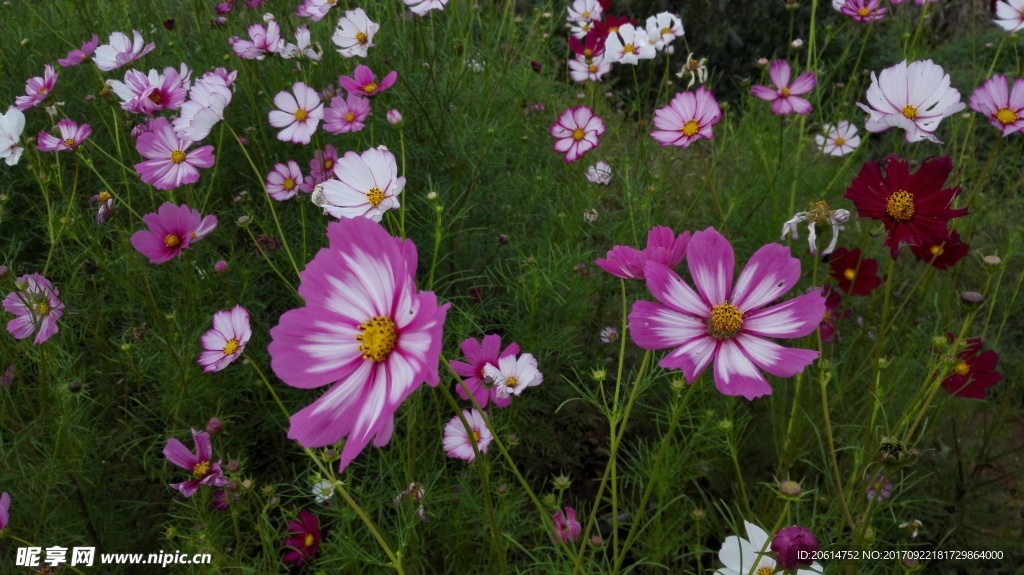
{"type": "Point", "coordinates": [71, 136]}
{"type": "Point", "coordinates": [315, 10]}
{"type": "Point", "coordinates": [364, 83]}
{"type": "Point", "coordinates": [148, 94]}
{"type": "Point", "coordinates": [204, 470]}
{"type": "Point", "coordinates": [304, 541]}
{"type": "Point", "coordinates": [367, 185]}
{"type": "Point", "coordinates": [346, 114]}
{"type": "Point", "coordinates": [915, 97]}
{"type": "Point", "coordinates": [36, 307]}
{"type": "Point", "coordinates": [478, 355]}
{"type": "Point", "coordinates": [169, 163]}
{"type": "Point", "coordinates": [120, 50]}
{"type": "Point", "coordinates": [284, 181]}
{"type": "Point", "coordinates": [299, 115]}
{"type": "Point", "coordinates": [458, 442]}
{"type": "Point", "coordinates": [365, 330]}
{"type": "Point", "coordinates": [576, 131]}
{"type": "Point", "coordinates": [794, 547]}
{"type": "Point", "coordinates": [567, 528]}
{"type": "Point", "coordinates": [663, 246]}
{"type": "Point", "coordinates": [5, 510]}
{"type": "Point", "coordinates": [76, 57]}
{"type": "Point", "coordinates": [1004, 108]}
{"type": "Point", "coordinates": [37, 89]}
{"type": "Point", "coordinates": [688, 117]}
{"type": "Point", "coordinates": [226, 341]}
{"type": "Point", "coordinates": [726, 324]}
{"type": "Point", "coordinates": [785, 98]}
{"type": "Point", "coordinates": [861, 10]}
{"type": "Point", "coordinates": [171, 230]}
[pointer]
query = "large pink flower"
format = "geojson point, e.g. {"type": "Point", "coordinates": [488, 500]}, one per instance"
{"type": "Point", "coordinates": [299, 115]}
{"type": "Point", "coordinates": [365, 331]}
{"type": "Point", "coordinates": [576, 132]}
{"type": "Point", "coordinates": [76, 57]}
{"type": "Point", "coordinates": [37, 89]}
{"type": "Point", "coordinates": [478, 355]}
{"type": "Point", "coordinates": [688, 117]}
{"type": "Point", "coordinates": [36, 307]}
{"type": "Point", "coordinates": [225, 342]}
{"type": "Point", "coordinates": [726, 324]}
{"type": "Point", "coordinates": [785, 98]}
{"type": "Point", "coordinates": [663, 246]}
{"type": "Point", "coordinates": [1010, 15]}
{"type": "Point", "coordinates": [363, 82]}
{"type": "Point", "coordinates": [1004, 108]}
{"type": "Point", "coordinates": [200, 464]}
{"type": "Point", "coordinates": [71, 136]}
{"type": "Point", "coordinates": [171, 230]}
{"type": "Point", "coordinates": [169, 163]}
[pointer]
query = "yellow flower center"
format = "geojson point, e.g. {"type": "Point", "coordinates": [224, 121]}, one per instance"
{"type": "Point", "coordinates": [70, 142]}
{"type": "Point", "coordinates": [375, 196]}
{"type": "Point", "coordinates": [43, 308]}
{"type": "Point", "coordinates": [476, 436]}
{"type": "Point", "coordinates": [936, 250]}
{"type": "Point", "coordinates": [765, 570]}
{"type": "Point", "coordinates": [377, 337]}
{"type": "Point", "coordinates": [586, 15]}
{"type": "Point", "coordinates": [863, 12]}
{"type": "Point", "coordinates": [900, 206]}
{"type": "Point", "coordinates": [201, 470]}
{"type": "Point", "coordinates": [104, 197]}
{"type": "Point", "coordinates": [588, 52]}
{"type": "Point", "coordinates": [613, 29]}
{"type": "Point", "coordinates": [370, 88]}
{"type": "Point", "coordinates": [690, 128]}
{"type": "Point", "coordinates": [309, 540]}
{"type": "Point", "coordinates": [664, 31]}
{"type": "Point", "coordinates": [172, 241]}
{"type": "Point", "coordinates": [726, 319]}
{"type": "Point", "coordinates": [578, 134]}
{"type": "Point", "coordinates": [328, 164]}
{"type": "Point", "coordinates": [301, 114]}
{"type": "Point", "coordinates": [177, 156]}
{"type": "Point", "coordinates": [289, 184]}
{"type": "Point", "coordinates": [592, 68]}
{"type": "Point", "coordinates": [349, 117]}
{"type": "Point", "coordinates": [1006, 116]}
{"type": "Point", "coordinates": [785, 92]}
{"type": "Point", "coordinates": [629, 49]}
{"type": "Point", "coordinates": [962, 368]}
{"type": "Point", "coordinates": [910, 112]}
{"type": "Point", "coordinates": [155, 98]}
{"type": "Point", "coordinates": [361, 37]}
{"type": "Point", "coordinates": [41, 91]}
{"type": "Point", "coordinates": [511, 382]}
{"type": "Point", "coordinates": [839, 140]}
{"type": "Point", "coordinates": [231, 346]}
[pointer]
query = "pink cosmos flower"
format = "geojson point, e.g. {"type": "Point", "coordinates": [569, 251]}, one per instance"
{"type": "Point", "coordinates": [863, 10]}
{"type": "Point", "coordinates": [304, 541]}
{"type": "Point", "coordinates": [299, 115]}
{"type": "Point", "coordinates": [226, 341]}
{"type": "Point", "coordinates": [367, 185]}
{"type": "Point", "coordinates": [321, 167]}
{"type": "Point", "coordinates": [1010, 15]}
{"type": "Point", "coordinates": [207, 100]}
{"type": "Point", "coordinates": [284, 181]}
{"type": "Point", "coordinates": [785, 98]}
{"type": "Point", "coordinates": [365, 330]}
{"type": "Point", "coordinates": [915, 97]}
{"type": "Point", "coordinates": [512, 375]}
{"type": "Point", "coordinates": [169, 164]}
{"type": "Point", "coordinates": [119, 51]}
{"type": "Point", "coordinates": [567, 528]}
{"type": "Point", "coordinates": [880, 489]}
{"type": "Point", "coordinates": [76, 57]}
{"type": "Point", "coordinates": [421, 7]}
{"type": "Point", "coordinates": [148, 94]}
{"type": "Point", "coordinates": [1005, 110]}
{"type": "Point", "coordinates": [725, 325]}
{"type": "Point", "coordinates": [663, 246]}
{"type": "Point", "coordinates": [599, 173]}
{"type": "Point", "coordinates": [106, 202]}
{"type": "Point", "coordinates": [37, 89]}
{"type": "Point", "coordinates": [839, 139]}
{"type": "Point", "coordinates": [71, 136]}
{"type": "Point", "coordinates": [918, 2]}
{"type": "Point", "coordinates": [354, 35]}
{"type": "Point", "coordinates": [315, 10]}
{"type": "Point", "coordinates": [576, 131]}
{"type": "Point", "coordinates": [457, 441]}
{"type": "Point", "coordinates": [5, 510]}
{"type": "Point", "coordinates": [687, 118]}
{"type": "Point", "coordinates": [204, 470]}
{"type": "Point", "coordinates": [364, 83]}
{"type": "Point", "coordinates": [12, 124]}
{"type": "Point", "coordinates": [478, 356]}
{"type": "Point", "coordinates": [36, 307]}
{"type": "Point", "coordinates": [225, 7]}
{"type": "Point", "coordinates": [346, 114]}
{"type": "Point", "coordinates": [171, 230]}
{"type": "Point", "coordinates": [262, 41]}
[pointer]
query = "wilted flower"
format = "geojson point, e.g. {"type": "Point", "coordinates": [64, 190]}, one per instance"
{"type": "Point", "coordinates": [590, 216]}
{"type": "Point", "coordinates": [819, 213]}
{"type": "Point", "coordinates": [599, 173]}
{"type": "Point", "coordinates": [697, 70]}
{"type": "Point", "coordinates": [567, 528]}
{"type": "Point", "coordinates": [106, 202]}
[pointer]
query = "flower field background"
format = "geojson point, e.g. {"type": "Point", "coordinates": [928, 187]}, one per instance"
{"type": "Point", "coordinates": [237, 238]}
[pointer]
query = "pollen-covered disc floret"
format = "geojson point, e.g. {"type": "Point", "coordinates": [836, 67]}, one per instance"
{"type": "Point", "coordinates": [726, 319]}
{"type": "Point", "coordinates": [377, 337]}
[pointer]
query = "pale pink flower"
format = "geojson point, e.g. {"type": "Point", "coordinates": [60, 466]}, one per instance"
{"type": "Point", "coordinates": [785, 98]}
{"type": "Point", "coordinates": [169, 163]}
{"type": "Point", "coordinates": [629, 45]}
{"type": "Point", "coordinates": [421, 7]}
{"type": "Point", "coordinates": [207, 100]}
{"type": "Point", "coordinates": [315, 10]}
{"type": "Point", "coordinates": [861, 10]}
{"type": "Point", "coordinates": [262, 41]}
{"type": "Point", "coordinates": [346, 114]}
{"type": "Point", "coordinates": [367, 185]}
{"type": "Point", "coordinates": [512, 375]}
{"type": "Point", "coordinates": [583, 69]}
{"type": "Point", "coordinates": [1010, 15]}
{"type": "Point", "coordinates": [76, 57]}
{"type": "Point", "coordinates": [609, 335]}
{"type": "Point", "coordinates": [459, 442]}
{"type": "Point", "coordinates": [120, 51]}
{"type": "Point", "coordinates": [354, 35]}
{"type": "Point", "coordinates": [839, 139]}
{"type": "Point", "coordinates": [478, 356]}
{"type": "Point", "coordinates": [37, 89]}
{"type": "Point", "coordinates": [599, 173]}
{"type": "Point", "coordinates": [284, 181]}
{"type": "Point", "coordinates": [71, 136]}
{"type": "Point", "coordinates": [321, 167]}
{"type": "Point", "coordinates": [1004, 108]}
{"type": "Point", "coordinates": [225, 342]}
{"type": "Point", "coordinates": [148, 94]}
{"type": "Point", "coordinates": [687, 118]}
{"type": "Point", "coordinates": [36, 308]}
{"type": "Point", "coordinates": [299, 115]}
{"type": "Point", "coordinates": [576, 131]}
{"type": "Point", "coordinates": [914, 97]}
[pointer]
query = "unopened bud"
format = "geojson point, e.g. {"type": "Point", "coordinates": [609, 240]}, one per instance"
{"type": "Point", "coordinates": [214, 426]}
{"type": "Point", "coordinates": [971, 298]}
{"type": "Point", "coordinates": [394, 117]}
{"type": "Point", "coordinates": [790, 488]}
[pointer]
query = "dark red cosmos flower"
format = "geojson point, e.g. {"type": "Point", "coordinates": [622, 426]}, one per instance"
{"type": "Point", "coordinates": [606, 5]}
{"type": "Point", "coordinates": [829, 323]}
{"type": "Point", "coordinates": [913, 207]}
{"type": "Point", "coordinates": [305, 538]}
{"type": "Point", "coordinates": [610, 24]}
{"type": "Point", "coordinates": [974, 372]}
{"type": "Point", "coordinates": [856, 275]}
{"type": "Point", "coordinates": [942, 252]}
{"type": "Point", "coordinates": [592, 44]}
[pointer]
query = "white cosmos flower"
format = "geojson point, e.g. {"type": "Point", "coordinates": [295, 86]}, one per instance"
{"type": "Point", "coordinates": [323, 491]}
{"type": "Point", "coordinates": [512, 375]}
{"type": "Point", "coordinates": [838, 140]}
{"type": "Point", "coordinates": [12, 124]}
{"type": "Point", "coordinates": [915, 97]}
{"type": "Point", "coordinates": [1010, 15]}
{"type": "Point", "coordinates": [629, 46]}
{"type": "Point", "coordinates": [354, 35]}
{"type": "Point", "coordinates": [367, 186]}
{"type": "Point", "coordinates": [663, 29]}
{"type": "Point", "coordinates": [302, 47]}
{"type": "Point", "coordinates": [744, 556]}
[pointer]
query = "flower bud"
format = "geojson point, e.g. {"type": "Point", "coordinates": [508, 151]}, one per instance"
{"type": "Point", "coordinates": [220, 267]}
{"type": "Point", "coordinates": [74, 386]}
{"type": "Point", "coordinates": [971, 298]}
{"type": "Point", "coordinates": [4, 272]}
{"type": "Point", "coordinates": [234, 465]}
{"type": "Point", "coordinates": [214, 426]}
{"type": "Point", "coordinates": [394, 117]}
{"type": "Point", "coordinates": [698, 514]}
{"type": "Point", "coordinates": [789, 543]}
{"type": "Point", "coordinates": [790, 488]}
{"type": "Point", "coordinates": [991, 261]}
